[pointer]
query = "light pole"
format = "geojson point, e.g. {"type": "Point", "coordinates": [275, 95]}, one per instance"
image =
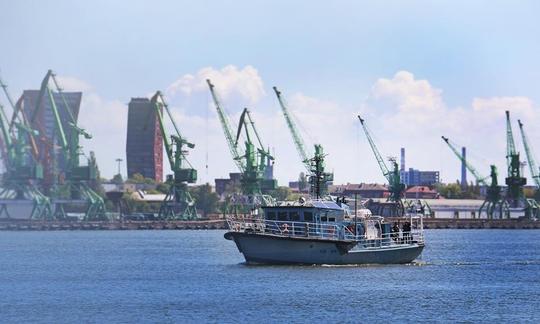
{"type": "Point", "coordinates": [119, 160]}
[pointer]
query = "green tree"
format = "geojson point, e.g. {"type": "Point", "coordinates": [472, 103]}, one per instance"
{"type": "Point", "coordinates": [450, 191]}
{"type": "Point", "coordinates": [96, 184]}
{"type": "Point", "coordinates": [138, 178]}
{"type": "Point", "coordinates": [283, 194]}
{"type": "Point", "coordinates": [205, 199]}
{"type": "Point", "coordinates": [163, 187]}
{"type": "Point", "coordinates": [117, 179]}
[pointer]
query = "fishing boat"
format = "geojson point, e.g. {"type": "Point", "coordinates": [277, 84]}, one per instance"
{"type": "Point", "coordinates": [325, 232]}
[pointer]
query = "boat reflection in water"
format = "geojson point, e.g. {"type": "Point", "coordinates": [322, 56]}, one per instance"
{"type": "Point", "coordinates": [325, 232]}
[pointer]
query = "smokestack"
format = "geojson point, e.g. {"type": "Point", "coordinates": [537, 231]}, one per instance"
{"type": "Point", "coordinates": [402, 164]}
{"type": "Point", "coordinates": [463, 168]}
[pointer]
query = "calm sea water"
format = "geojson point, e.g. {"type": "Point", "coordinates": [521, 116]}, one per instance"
{"type": "Point", "coordinates": [197, 276]}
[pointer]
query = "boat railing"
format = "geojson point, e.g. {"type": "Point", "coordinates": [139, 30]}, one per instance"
{"type": "Point", "coordinates": [324, 231]}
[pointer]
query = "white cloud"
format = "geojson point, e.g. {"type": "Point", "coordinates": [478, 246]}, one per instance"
{"type": "Point", "coordinates": [497, 105]}
{"type": "Point", "coordinates": [73, 84]}
{"type": "Point", "coordinates": [229, 81]}
{"type": "Point", "coordinates": [410, 94]}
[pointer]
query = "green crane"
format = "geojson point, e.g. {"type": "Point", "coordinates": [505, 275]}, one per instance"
{"type": "Point", "coordinates": [514, 180]}
{"type": "Point", "coordinates": [395, 186]}
{"type": "Point", "coordinates": [74, 183]}
{"type": "Point", "coordinates": [532, 204]}
{"type": "Point", "coordinates": [315, 166]}
{"type": "Point", "coordinates": [530, 157]}
{"type": "Point", "coordinates": [252, 162]}
{"type": "Point", "coordinates": [23, 173]}
{"type": "Point", "coordinates": [178, 203]}
{"type": "Point", "coordinates": [493, 200]}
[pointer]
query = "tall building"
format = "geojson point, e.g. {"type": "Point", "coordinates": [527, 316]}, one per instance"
{"type": "Point", "coordinates": [43, 120]}
{"type": "Point", "coordinates": [144, 145]}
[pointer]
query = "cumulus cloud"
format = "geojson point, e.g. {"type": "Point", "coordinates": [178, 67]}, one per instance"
{"type": "Point", "coordinates": [69, 83]}
{"type": "Point", "coordinates": [106, 120]}
{"type": "Point", "coordinates": [497, 105]}
{"type": "Point", "coordinates": [229, 81]}
{"type": "Point", "coordinates": [410, 94]}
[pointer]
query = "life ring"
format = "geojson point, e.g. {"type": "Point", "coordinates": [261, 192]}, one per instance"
{"type": "Point", "coordinates": [285, 228]}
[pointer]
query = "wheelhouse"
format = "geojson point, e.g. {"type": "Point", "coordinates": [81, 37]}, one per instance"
{"type": "Point", "coordinates": [312, 212]}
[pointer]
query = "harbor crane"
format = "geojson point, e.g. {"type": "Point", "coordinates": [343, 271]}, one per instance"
{"type": "Point", "coordinates": [23, 173]}
{"type": "Point", "coordinates": [178, 203]}
{"type": "Point", "coordinates": [494, 200]}
{"type": "Point", "coordinates": [313, 163]}
{"type": "Point", "coordinates": [252, 161]}
{"type": "Point", "coordinates": [531, 160]}
{"type": "Point", "coordinates": [515, 181]}
{"type": "Point", "coordinates": [71, 185]}
{"type": "Point", "coordinates": [395, 186]}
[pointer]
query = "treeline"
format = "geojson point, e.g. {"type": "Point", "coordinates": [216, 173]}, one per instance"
{"type": "Point", "coordinates": [471, 191]}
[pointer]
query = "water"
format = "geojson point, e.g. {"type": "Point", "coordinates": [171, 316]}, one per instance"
{"type": "Point", "coordinates": [194, 276]}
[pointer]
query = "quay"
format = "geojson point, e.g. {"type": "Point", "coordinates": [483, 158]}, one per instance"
{"type": "Point", "coordinates": [429, 223]}
{"type": "Point", "coordinates": [38, 225]}
{"type": "Point", "coordinates": [445, 223]}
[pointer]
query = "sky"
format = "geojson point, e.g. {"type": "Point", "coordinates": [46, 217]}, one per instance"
{"type": "Point", "coordinates": [415, 70]}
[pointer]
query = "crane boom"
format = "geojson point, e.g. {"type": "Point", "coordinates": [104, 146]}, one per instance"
{"type": "Point", "coordinates": [11, 102]}
{"type": "Point", "coordinates": [21, 119]}
{"type": "Point", "coordinates": [226, 125]}
{"type": "Point", "coordinates": [378, 157]}
{"type": "Point", "coordinates": [530, 156]}
{"type": "Point", "coordinates": [480, 179]}
{"type": "Point", "coordinates": [298, 142]}
{"type": "Point", "coordinates": [510, 145]}
{"type": "Point", "coordinates": [254, 128]}
{"type": "Point", "coordinates": [6, 139]}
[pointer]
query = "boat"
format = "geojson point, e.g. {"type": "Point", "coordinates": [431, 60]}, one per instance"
{"type": "Point", "coordinates": [326, 232]}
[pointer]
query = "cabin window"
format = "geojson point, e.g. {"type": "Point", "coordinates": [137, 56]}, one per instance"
{"type": "Point", "coordinates": [324, 218]}
{"type": "Point", "coordinates": [271, 215]}
{"type": "Point", "coordinates": [282, 216]}
{"type": "Point", "coordinates": [331, 219]}
{"type": "Point", "coordinates": [308, 217]}
{"type": "Point", "coordinates": [294, 216]}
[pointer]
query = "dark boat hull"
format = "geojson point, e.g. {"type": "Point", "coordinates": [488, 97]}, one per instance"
{"type": "Point", "coordinates": [273, 249]}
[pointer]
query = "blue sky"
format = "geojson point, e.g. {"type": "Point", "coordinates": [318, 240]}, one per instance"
{"type": "Point", "coordinates": [332, 53]}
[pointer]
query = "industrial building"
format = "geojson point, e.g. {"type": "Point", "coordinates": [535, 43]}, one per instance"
{"type": "Point", "coordinates": [44, 122]}
{"type": "Point", "coordinates": [414, 177]}
{"type": "Point", "coordinates": [362, 190]}
{"type": "Point", "coordinates": [421, 192]}
{"type": "Point", "coordinates": [223, 184]}
{"type": "Point", "coordinates": [144, 144]}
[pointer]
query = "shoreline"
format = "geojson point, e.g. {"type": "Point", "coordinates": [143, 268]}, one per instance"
{"type": "Point", "coordinates": [429, 223]}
